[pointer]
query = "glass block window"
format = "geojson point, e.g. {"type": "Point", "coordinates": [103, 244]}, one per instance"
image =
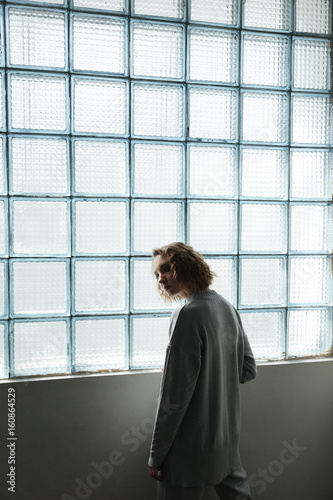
{"type": "Point", "coordinates": [100, 342]}
{"type": "Point", "coordinates": [99, 44]}
{"type": "Point", "coordinates": [128, 124]}
{"type": "Point", "coordinates": [37, 38]}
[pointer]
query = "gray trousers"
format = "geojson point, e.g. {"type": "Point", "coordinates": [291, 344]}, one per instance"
{"type": "Point", "coordinates": [233, 487]}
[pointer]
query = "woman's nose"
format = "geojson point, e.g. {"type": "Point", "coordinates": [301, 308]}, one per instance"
{"type": "Point", "coordinates": [161, 278]}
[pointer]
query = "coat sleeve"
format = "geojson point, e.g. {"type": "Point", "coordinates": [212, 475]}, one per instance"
{"type": "Point", "coordinates": [249, 371]}
{"type": "Point", "coordinates": [180, 374]}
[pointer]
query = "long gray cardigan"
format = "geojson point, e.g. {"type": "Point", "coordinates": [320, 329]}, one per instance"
{"type": "Point", "coordinates": [197, 427]}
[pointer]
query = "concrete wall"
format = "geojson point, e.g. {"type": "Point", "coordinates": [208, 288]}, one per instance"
{"type": "Point", "coordinates": [81, 431]}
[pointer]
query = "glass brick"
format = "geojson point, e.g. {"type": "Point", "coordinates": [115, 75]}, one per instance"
{"type": "Point", "coordinates": [38, 102]}
{"type": "Point", "coordinates": [314, 17]}
{"type": "Point", "coordinates": [310, 228]}
{"type": "Point", "coordinates": [311, 68]}
{"type": "Point", "coordinates": [100, 285]}
{"type": "Point", "coordinates": [2, 51]}
{"type": "Point", "coordinates": [3, 354]}
{"type": "Point", "coordinates": [158, 169]}
{"type": "Point", "coordinates": [3, 166]}
{"type": "Point", "coordinates": [213, 171]}
{"type": "Point", "coordinates": [3, 289]}
{"type": "Point", "coordinates": [39, 166]}
{"type": "Point", "coordinates": [40, 347]}
{"type": "Point", "coordinates": [99, 44]}
{"type": "Point", "coordinates": [3, 227]}
{"type": "Point", "coordinates": [265, 331]}
{"type": "Point", "coordinates": [224, 282]}
{"type": "Point", "coordinates": [163, 104]}
{"type": "Point", "coordinates": [108, 5]}
{"type": "Point", "coordinates": [156, 224]}
{"type": "Point", "coordinates": [265, 60]}
{"type": "Point", "coordinates": [100, 344]}
{"type": "Point", "coordinates": [213, 227]}
{"type": "Point", "coordinates": [214, 11]}
{"type": "Point", "coordinates": [159, 8]}
{"type": "Point", "coordinates": [310, 333]}
{"type": "Point", "coordinates": [40, 227]}
{"type": "Point", "coordinates": [264, 173]}
{"type": "Point", "coordinates": [213, 113]}
{"type": "Point", "coordinates": [213, 55]}
{"type": "Point", "coordinates": [263, 227]}
{"type": "Point", "coordinates": [100, 227]}
{"type": "Point", "coordinates": [100, 106]}
{"type": "Point", "coordinates": [311, 174]}
{"type": "Point", "coordinates": [311, 120]}
{"type": "Point", "coordinates": [39, 288]}
{"type": "Point", "coordinates": [262, 282]}
{"type": "Point", "coordinates": [310, 281]}
{"type": "Point", "coordinates": [157, 50]}
{"type": "Point", "coordinates": [37, 38]}
{"type": "Point", "coordinates": [150, 338]}
{"type": "Point", "coordinates": [53, 2]}
{"type": "Point", "coordinates": [145, 290]}
{"type": "Point", "coordinates": [265, 117]}
{"type": "Point", "coordinates": [271, 14]}
{"type": "Point", "coordinates": [100, 167]}
{"type": "Point", "coordinates": [2, 93]}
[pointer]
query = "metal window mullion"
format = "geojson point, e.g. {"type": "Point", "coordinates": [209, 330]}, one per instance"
{"type": "Point", "coordinates": [240, 137]}
{"type": "Point", "coordinates": [130, 187]}
{"type": "Point", "coordinates": [186, 73]}
{"type": "Point", "coordinates": [71, 350]}
{"type": "Point", "coordinates": [10, 346]}
{"type": "Point", "coordinates": [290, 121]}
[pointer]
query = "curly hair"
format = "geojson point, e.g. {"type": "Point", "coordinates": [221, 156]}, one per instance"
{"type": "Point", "coordinates": [188, 267]}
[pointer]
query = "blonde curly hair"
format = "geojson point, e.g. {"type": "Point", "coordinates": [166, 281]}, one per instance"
{"type": "Point", "coordinates": [188, 267]}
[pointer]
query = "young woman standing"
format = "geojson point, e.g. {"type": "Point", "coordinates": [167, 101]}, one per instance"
{"type": "Point", "coordinates": [196, 441]}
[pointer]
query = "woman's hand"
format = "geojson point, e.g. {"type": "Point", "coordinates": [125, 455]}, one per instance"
{"type": "Point", "coordinates": [155, 473]}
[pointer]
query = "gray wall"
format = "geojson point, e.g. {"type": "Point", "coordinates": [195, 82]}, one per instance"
{"type": "Point", "coordinates": [67, 428]}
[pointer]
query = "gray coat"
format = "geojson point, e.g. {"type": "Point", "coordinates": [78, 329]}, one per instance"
{"type": "Point", "coordinates": [197, 427]}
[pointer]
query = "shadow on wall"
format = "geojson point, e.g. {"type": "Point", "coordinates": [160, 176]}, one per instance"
{"type": "Point", "coordinates": [88, 438]}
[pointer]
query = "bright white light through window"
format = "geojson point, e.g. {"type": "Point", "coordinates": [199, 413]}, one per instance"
{"type": "Point", "coordinates": [128, 124]}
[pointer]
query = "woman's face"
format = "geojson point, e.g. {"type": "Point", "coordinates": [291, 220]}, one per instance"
{"type": "Point", "coordinates": [164, 275]}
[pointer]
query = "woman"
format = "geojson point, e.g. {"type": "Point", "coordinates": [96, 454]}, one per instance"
{"type": "Point", "coordinates": [196, 436]}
